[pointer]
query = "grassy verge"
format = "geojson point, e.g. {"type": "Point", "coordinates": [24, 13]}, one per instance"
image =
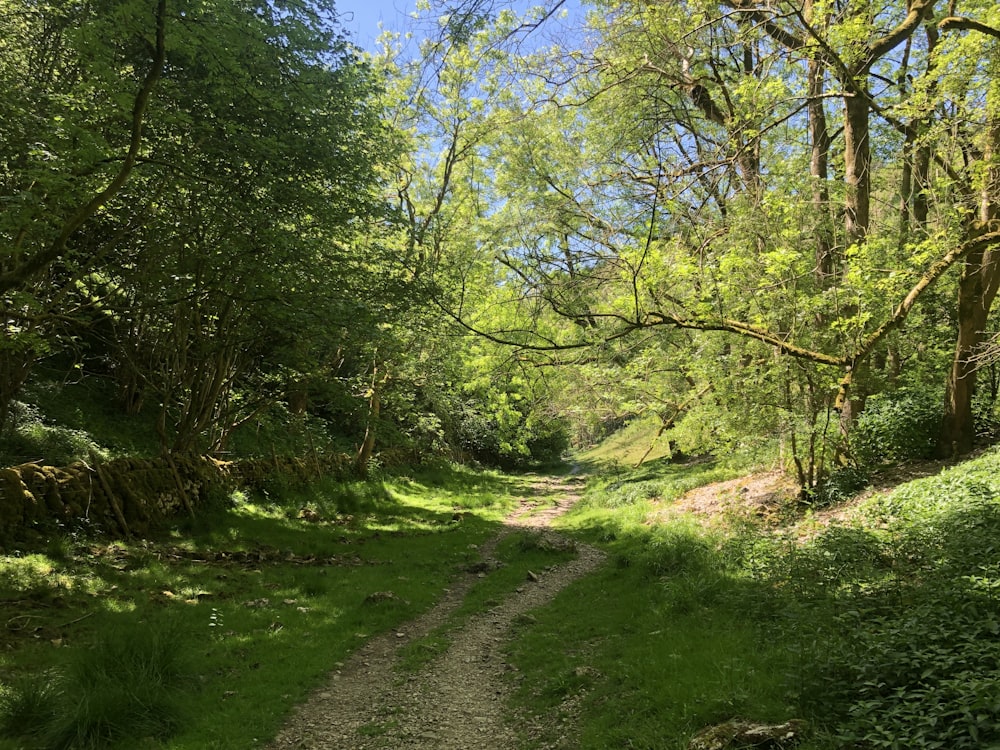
{"type": "Point", "coordinates": [656, 644]}
{"type": "Point", "coordinates": [881, 632]}
{"type": "Point", "coordinates": [226, 621]}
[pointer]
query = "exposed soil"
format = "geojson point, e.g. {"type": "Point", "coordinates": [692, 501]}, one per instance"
{"type": "Point", "coordinates": [764, 495]}
{"type": "Point", "coordinates": [771, 497]}
{"type": "Point", "coordinates": [458, 701]}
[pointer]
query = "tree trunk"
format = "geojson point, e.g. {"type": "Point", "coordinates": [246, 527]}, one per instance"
{"type": "Point", "coordinates": [819, 138]}
{"type": "Point", "coordinates": [857, 168]}
{"type": "Point", "coordinates": [976, 291]}
{"type": "Point", "coordinates": [367, 449]}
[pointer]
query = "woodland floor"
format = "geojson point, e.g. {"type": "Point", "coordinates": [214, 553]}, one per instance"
{"type": "Point", "coordinates": [459, 699]}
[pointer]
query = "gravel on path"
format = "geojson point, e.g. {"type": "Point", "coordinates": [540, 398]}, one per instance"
{"type": "Point", "coordinates": [458, 701]}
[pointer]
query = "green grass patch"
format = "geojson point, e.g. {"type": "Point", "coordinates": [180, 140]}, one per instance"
{"type": "Point", "coordinates": [258, 602]}
{"type": "Point", "coordinates": [628, 445]}
{"type": "Point", "coordinates": [617, 498]}
{"type": "Point", "coordinates": [654, 646]}
{"type": "Point", "coordinates": [881, 633]}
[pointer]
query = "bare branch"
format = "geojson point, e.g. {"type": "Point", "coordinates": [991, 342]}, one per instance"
{"type": "Point", "coordinates": [967, 24]}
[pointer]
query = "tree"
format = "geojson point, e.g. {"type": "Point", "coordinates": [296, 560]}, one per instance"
{"type": "Point", "coordinates": [200, 180]}
{"type": "Point", "coordinates": [681, 177]}
{"type": "Point", "coordinates": [77, 85]}
{"type": "Point", "coordinates": [978, 109]}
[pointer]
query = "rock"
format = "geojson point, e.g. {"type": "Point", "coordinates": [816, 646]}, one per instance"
{"type": "Point", "coordinates": [738, 734]}
{"type": "Point", "coordinates": [532, 576]}
{"type": "Point", "coordinates": [483, 566]}
{"type": "Point", "coordinates": [381, 597]}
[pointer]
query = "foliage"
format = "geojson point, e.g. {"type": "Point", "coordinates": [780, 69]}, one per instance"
{"type": "Point", "coordinates": [897, 426]}
{"type": "Point", "coordinates": [915, 632]}
{"type": "Point", "coordinates": [189, 196]}
{"type": "Point", "coordinates": [662, 206]}
{"type": "Point", "coordinates": [842, 484]}
{"type": "Point", "coordinates": [28, 438]}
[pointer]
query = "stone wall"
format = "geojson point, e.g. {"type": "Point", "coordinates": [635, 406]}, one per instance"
{"type": "Point", "coordinates": [122, 497]}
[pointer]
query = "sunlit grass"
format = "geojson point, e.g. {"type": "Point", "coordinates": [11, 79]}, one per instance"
{"type": "Point", "coordinates": [628, 445]}
{"type": "Point", "coordinates": [263, 597]}
{"type": "Point", "coordinates": [879, 633]}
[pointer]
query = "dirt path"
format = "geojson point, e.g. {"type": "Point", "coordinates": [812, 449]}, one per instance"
{"type": "Point", "coordinates": [457, 701]}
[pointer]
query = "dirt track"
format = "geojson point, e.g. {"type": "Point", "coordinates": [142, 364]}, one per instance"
{"type": "Point", "coordinates": [458, 700]}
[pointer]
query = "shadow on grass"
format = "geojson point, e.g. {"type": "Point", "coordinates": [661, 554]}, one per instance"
{"type": "Point", "coordinates": [267, 593]}
{"type": "Point", "coordinates": [880, 635]}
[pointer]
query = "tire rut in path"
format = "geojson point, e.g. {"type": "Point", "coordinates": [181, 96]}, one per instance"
{"type": "Point", "coordinates": [458, 700]}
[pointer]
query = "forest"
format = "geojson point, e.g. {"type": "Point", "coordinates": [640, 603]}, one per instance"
{"type": "Point", "coordinates": [745, 222]}
{"type": "Point", "coordinates": [659, 245]}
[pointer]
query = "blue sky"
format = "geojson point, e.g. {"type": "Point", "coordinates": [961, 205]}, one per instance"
{"type": "Point", "coordinates": [360, 18]}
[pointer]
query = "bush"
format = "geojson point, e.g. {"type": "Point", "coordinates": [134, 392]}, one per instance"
{"type": "Point", "coordinates": [28, 438]}
{"type": "Point", "coordinates": [897, 426]}
{"type": "Point", "coordinates": [842, 484]}
{"type": "Point", "coordinates": [925, 678]}
{"type": "Point", "coordinates": [515, 443]}
{"type": "Point", "coordinates": [548, 441]}
{"type": "Point", "coordinates": [913, 643]}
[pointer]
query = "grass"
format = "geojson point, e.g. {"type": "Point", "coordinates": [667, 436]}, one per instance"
{"type": "Point", "coordinates": [653, 647]}
{"type": "Point", "coordinates": [883, 632]}
{"type": "Point", "coordinates": [628, 445]}
{"type": "Point", "coordinates": [259, 603]}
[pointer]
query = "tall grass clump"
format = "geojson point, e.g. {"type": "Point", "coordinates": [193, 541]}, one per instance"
{"type": "Point", "coordinates": [123, 689]}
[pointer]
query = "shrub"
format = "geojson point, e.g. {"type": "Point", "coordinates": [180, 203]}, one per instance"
{"type": "Point", "coordinates": [842, 484]}
{"type": "Point", "coordinates": [923, 679]}
{"type": "Point", "coordinates": [511, 440]}
{"type": "Point", "coordinates": [913, 647]}
{"type": "Point", "coordinates": [548, 441]}
{"type": "Point", "coordinates": [897, 426]}
{"type": "Point", "coordinates": [28, 438]}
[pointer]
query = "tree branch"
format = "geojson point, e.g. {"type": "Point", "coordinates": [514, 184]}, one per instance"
{"type": "Point", "coordinates": [918, 11]}
{"type": "Point", "coordinates": [967, 24]}
{"type": "Point", "coordinates": [44, 258]}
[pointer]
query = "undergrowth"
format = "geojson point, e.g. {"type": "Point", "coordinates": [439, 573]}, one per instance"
{"type": "Point", "coordinates": [881, 633]}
